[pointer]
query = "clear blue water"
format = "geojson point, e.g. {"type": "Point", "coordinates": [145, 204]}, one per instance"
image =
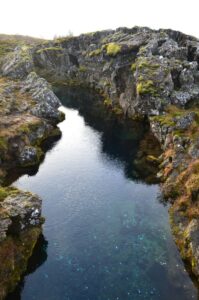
{"type": "Point", "coordinates": [107, 237]}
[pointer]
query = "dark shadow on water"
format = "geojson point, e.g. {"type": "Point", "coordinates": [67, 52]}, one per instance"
{"type": "Point", "coordinates": [38, 257]}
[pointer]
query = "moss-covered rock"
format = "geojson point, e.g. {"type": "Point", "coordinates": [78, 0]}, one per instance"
{"type": "Point", "coordinates": [112, 49]}
{"type": "Point", "coordinates": [20, 226]}
{"type": "Point", "coordinates": [14, 255]}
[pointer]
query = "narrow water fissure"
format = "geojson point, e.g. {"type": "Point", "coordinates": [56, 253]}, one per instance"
{"type": "Point", "coordinates": [107, 233]}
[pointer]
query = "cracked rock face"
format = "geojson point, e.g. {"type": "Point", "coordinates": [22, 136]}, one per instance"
{"type": "Point", "coordinates": [47, 102]}
{"type": "Point", "coordinates": [19, 63]}
{"type": "Point", "coordinates": [140, 69]}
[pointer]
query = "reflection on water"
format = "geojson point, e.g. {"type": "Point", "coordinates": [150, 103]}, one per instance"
{"type": "Point", "coordinates": [108, 234]}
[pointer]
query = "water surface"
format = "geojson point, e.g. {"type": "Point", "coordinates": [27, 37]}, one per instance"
{"type": "Point", "coordinates": [106, 236]}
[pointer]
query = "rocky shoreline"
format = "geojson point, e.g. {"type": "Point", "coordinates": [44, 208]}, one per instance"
{"type": "Point", "coordinates": [141, 74]}
{"type": "Point", "coordinates": [28, 116]}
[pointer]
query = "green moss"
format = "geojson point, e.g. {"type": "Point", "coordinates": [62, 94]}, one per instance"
{"type": "Point", "coordinates": [105, 83]}
{"type": "Point", "coordinates": [133, 67]}
{"type": "Point", "coordinates": [40, 154]}
{"type": "Point", "coordinates": [112, 49]}
{"type": "Point", "coordinates": [107, 102]}
{"type": "Point", "coordinates": [49, 49]}
{"type": "Point", "coordinates": [3, 143]}
{"type": "Point", "coordinates": [144, 63]}
{"type": "Point", "coordinates": [56, 132]}
{"type": "Point", "coordinates": [82, 69]}
{"type": "Point", "coordinates": [146, 87]}
{"type": "Point", "coordinates": [169, 119]}
{"type": "Point", "coordinates": [25, 128]}
{"type": "Point", "coordinates": [95, 52]}
{"type": "Point", "coordinates": [118, 110]}
{"type": "Point", "coordinates": [7, 191]}
{"type": "Point", "coordinates": [142, 50]}
{"type": "Point", "coordinates": [3, 194]}
{"type": "Point", "coordinates": [152, 158]}
{"type": "Point", "coordinates": [164, 119]}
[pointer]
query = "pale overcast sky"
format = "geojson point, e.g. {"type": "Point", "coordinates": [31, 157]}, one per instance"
{"type": "Point", "coordinates": [47, 18]}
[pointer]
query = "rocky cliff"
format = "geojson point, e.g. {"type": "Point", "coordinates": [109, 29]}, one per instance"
{"type": "Point", "coordinates": [141, 73]}
{"type": "Point", "coordinates": [28, 116]}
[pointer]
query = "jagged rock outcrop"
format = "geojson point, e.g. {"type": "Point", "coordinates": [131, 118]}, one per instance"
{"type": "Point", "coordinates": [29, 114]}
{"type": "Point", "coordinates": [140, 69]}
{"type": "Point", "coordinates": [46, 102]}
